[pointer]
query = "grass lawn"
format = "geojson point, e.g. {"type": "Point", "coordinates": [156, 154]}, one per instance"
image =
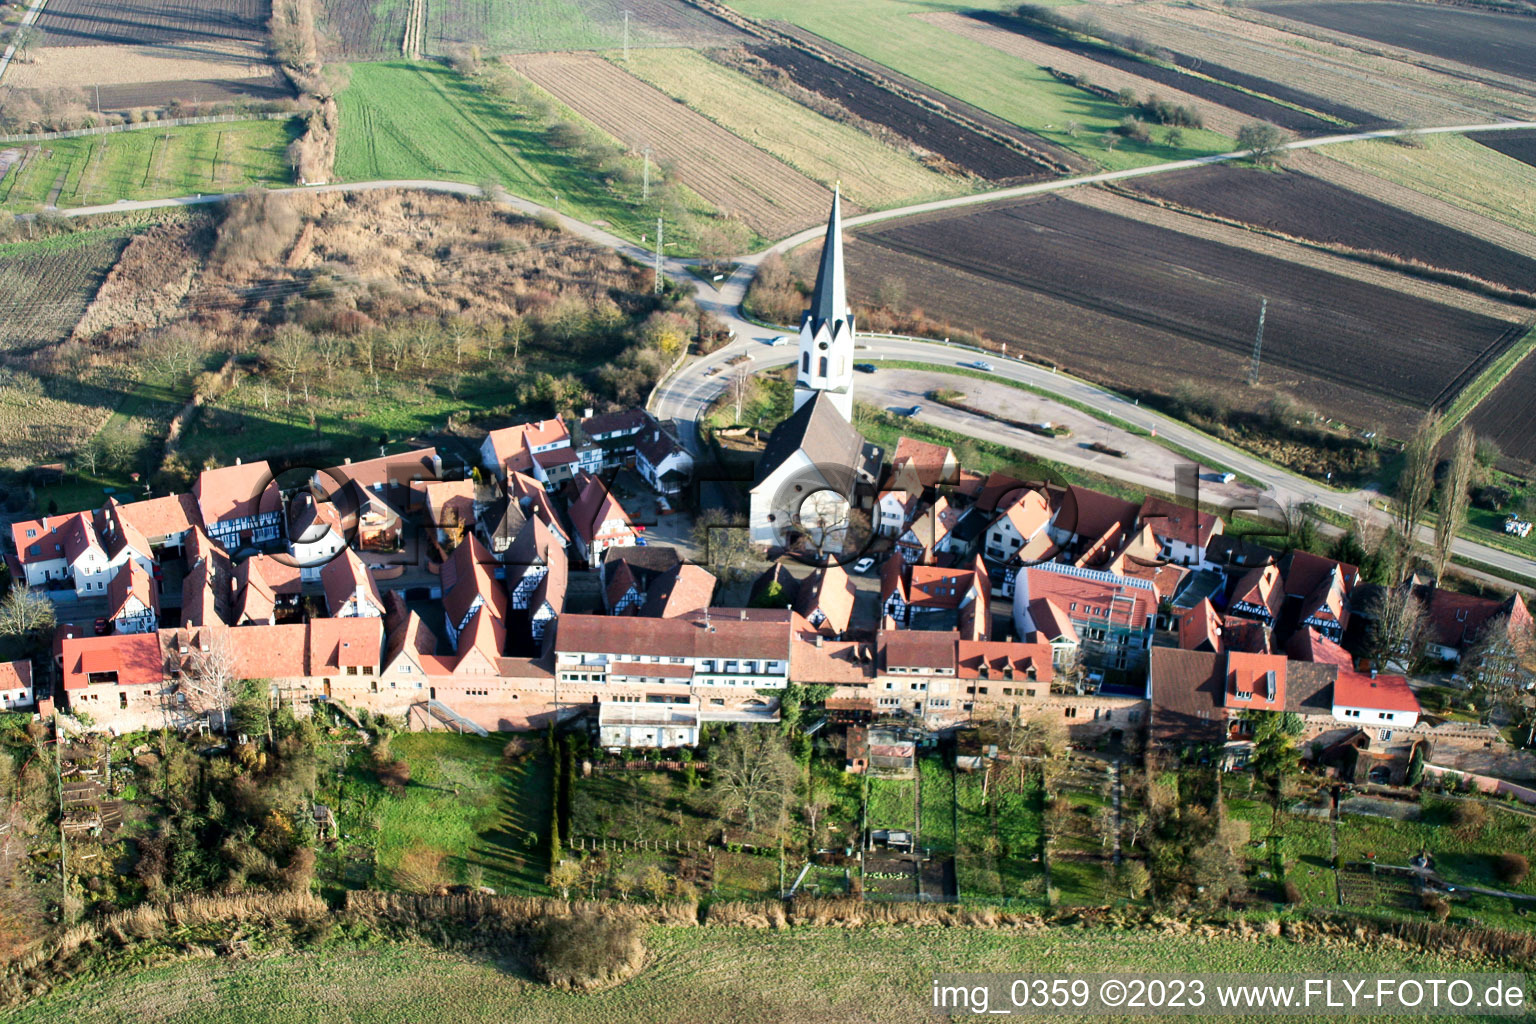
{"type": "Point", "coordinates": [938, 806]}
{"type": "Point", "coordinates": [872, 174]}
{"type": "Point", "coordinates": [1454, 169]}
{"type": "Point", "coordinates": [467, 816]}
{"type": "Point", "coordinates": [1028, 96]}
{"type": "Point", "coordinates": [153, 164]}
{"type": "Point", "coordinates": [892, 804]}
{"type": "Point", "coordinates": [655, 806]}
{"type": "Point", "coordinates": [693, 975]}
{"type": "Point", "coordinates": [416, 119]}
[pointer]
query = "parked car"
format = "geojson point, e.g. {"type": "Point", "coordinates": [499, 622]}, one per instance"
{"type": "Point", "coordinates": [864, 367]}
{"type": "Point", "coordinates": [101, 627]}
{"type": "Point", "coordinates": [979, 364]}
{"type": "Point", "coordinates": [782, 339]}
{"type": "Point", "coordinates": [913, 411]}
{"type": "Point", "coordinates": [864, 565]}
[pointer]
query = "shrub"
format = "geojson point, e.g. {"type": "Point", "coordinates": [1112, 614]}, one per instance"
{"type": "Point", "coordinates": [1511, 868]}
{"type": "Point", "coordinates": [1435, 906]}
{"type": "Point", "coordinates": [1469, 815]}
{"type": "Point", "coordinates": [1292, 894]}
{"type": "Point", "coordinates": [395, 776]}
{"type": "Point", "coordinates": [585, 952]}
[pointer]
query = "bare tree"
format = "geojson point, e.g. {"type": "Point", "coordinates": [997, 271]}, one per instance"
{"type": "Point", "coordinates": [1399, 627]}
{"type": "Point", "coordinates": [1501, 662]}
{"type": "Point", "coordinates": [290, 354]}
{"type": "Point", "coordinates": [210, 678]}
{"type": "Point", "coordinates": [26, 615]}
{"type": "Point", "coordinates": [1455, 493]}
{"type": "Point", "coordinates": [725, 546]}
{"type": "Point", "coordinates": [1416, 483]}
{"type": "Point", "coordinates": [752, 774]}
{"type": "Point", "coordinates": [28, 38]}
{"type": "Point", "coordinates": [742, 388]}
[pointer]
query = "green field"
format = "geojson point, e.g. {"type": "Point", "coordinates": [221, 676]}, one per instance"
{"type": "Point", "coordinates": [887, 31]}
{"type": "Point", "coordinates": [694, 976]}
{"type": "Point", "coordinates": [872, 174]}
{"type": "Point", "coordinates": [152, 163]}
{"type": "Point", "coordinates": [466, 816]}
{"type": "Point", "coordinates": [403, 120]}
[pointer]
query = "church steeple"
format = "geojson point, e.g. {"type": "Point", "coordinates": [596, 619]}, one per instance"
{"type": "Point", "coordinates": [827, 330]}
{"type": "Point", "coordinates": [829, 302]}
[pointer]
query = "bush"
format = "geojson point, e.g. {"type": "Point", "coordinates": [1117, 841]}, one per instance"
{"type": "Point", "coordinates": [1436, 907]}
{"type": "Point", "coordinates": [1469, 814]}
{"type": "Point", "coordinates": [586, 952]}
{"type": "Point", "coordinates": [1292, 894]}
{"type": "Point", "coordinates": [1511, 868]}
{"type": "Point", "coordinates": [394, 776]}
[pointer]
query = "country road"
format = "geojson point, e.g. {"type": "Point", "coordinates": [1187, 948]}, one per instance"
{"type": "Point", "coordinates": [687, 392]}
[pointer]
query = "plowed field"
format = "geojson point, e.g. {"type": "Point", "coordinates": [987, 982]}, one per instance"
{"type": "Point", "coordinates": [1143, 308]}
{"type": "Point", "coordinates": [738, 178]}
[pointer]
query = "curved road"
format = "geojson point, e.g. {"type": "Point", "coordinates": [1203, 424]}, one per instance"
{"type": "Point", "coordinates": [688, 391]}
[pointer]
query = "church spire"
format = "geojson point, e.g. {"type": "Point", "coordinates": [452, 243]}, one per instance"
{"type": "Point", "coordinates": [829, 302]}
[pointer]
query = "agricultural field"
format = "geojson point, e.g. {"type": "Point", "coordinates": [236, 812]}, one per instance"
{"type": "Point", "coordinates": [405, 120]}
{"type": "Point", "coordinates": [873, 174]}
{"type": "Point", "coordinates": [1302, 206]}
{"type": "Point", "coordinates": [150, 164]}
{"type": "Point", "coordinates": [1228, 109]}
{"type": "Point", "coordinates": [45, 286]}
{"type": "Point", "coordinates": [967, 149]}
{"type": "Point", "coordinates": [735, 176]}
{"type": "Point", "coordinates": [376, 28]}
{"type": "Point", "coordinates": [890, 33]}
{"type": "Point", "coordinates": [798, 975]}
{"type": "Point", "coordinates": [1454, 169]}
{"type": "Point", "coordinates": [1170, 305]}
{"type": "Point", "coordinates": [1505, 415]}
{"type": "Point", "coordinates": [1520, 145]}
{"type": "Point", "coordinates": [1283, 60]}
{"type": "Point", "coordinates": [151, 22]}
{"type": "Point", "coordinates": [1501, 43]}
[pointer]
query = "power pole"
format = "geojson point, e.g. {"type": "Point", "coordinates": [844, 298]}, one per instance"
{"type": "Point", "coordinates": [1258, 343]}
{"type": "Point", "coordinates": [645, 182]}
{"type": "Point", "coordinates": [626, 36]}
{"type": "Point", "coordinates": [660, 269]}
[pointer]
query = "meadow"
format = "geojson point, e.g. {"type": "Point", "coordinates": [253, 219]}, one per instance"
{"type": "Point", "coordinates": [152, 163]}
{"type": "Point", "coordinates": [693, 976]}
{"type": "Point", "coordinates": [405, 120]}
{"type": "Point", "coordinates": [872, 174]}
{"type": "Point", "coordinates": [889, 32]}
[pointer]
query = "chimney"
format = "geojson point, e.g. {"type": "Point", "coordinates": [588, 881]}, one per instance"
{"type": "Point", "coordinates": [237, 460]}
{"type": "Point", "coordinates": [586, 413]}
{"type": "Point", "coordinates": [818, 639]}
{"type": "Point", "coordinates": [743, 615]}
{"type": "Point", "coordinates": [347, 461]}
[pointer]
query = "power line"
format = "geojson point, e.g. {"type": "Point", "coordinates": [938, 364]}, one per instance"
{"type": "Point", "coordinates": [1258, 343]}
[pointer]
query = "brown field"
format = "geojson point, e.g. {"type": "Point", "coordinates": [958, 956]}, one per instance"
{"type": "Point", "coordinates": [1520, 145]}
{"type": "Point", "coordinates": [1268, 49]}
{"type": "Point", "coordinates": [198, 92]}
{"type": "Point", "coordinates": [960, 145]}
{"type": "Point", "coordinates": [1302, 206]}
{"type": "Point", "coordinates": [1045, 48]}
{"type": "Point", "coordinates": [1508, 415]}
{"type": "Point", "coordinates": [145, 22]}
{"type": "Point", "coordinates": [771, 197]}
{"type": "Point", "coordinates": [1503, 43]}
{"type": "Point", "coordinates": [85, 67]}
{"type": "Point", "coordinates": [1167, 307]}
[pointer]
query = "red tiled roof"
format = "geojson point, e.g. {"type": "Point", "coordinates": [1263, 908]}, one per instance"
{"type": "Point", "coordinates": [831, 590]}
{"type": "Point", "coordinates": [1200, 626]}
{"type": "Point", "coordinates": [918, 648]}
{"type": "Point", "coordinates": [1028, 511]}
{"type": "Point", "coordinates": [1457, 619]}
{"type": "Point", "coordinates": [682, 590]}
{"type": "Point", "coordinates": [996, 490]}
{"type": "Point", "coordinates": [233, 492]}
{"type": "Point", "coordinates": [1308, 644]}
{"type": "Point", "coordinates": [838, 662]}
{"type": "Point", "coordinates": [923, 460]}
{"type": "Point", "coordinates": [336, 644]}
{"type": "Point", "coordinates": [998, 656]}
{"type": "Point", "coordinates": [1186, 689]}
{"type": "Point", "coordinates": [1251, 674]}
{"type": "Point", "coordinates": [79, 536]}
{"type": "Point", "coordinates": [593, 507]}
{"type": "Point", "coordinates": [1261, 587]}
{"type": "Point", "coordinates": [15, 674]}
{"type": "Point", "coordinates": [934, 587]}
{"type": "Point", "coordinates": [1238, 634]}
{"type": "Point", "coordinates": [1051, 620]}
{"type": "Point", "coordinates": [269, 652]}
{"type": "Point", "coordinates": [1306, 572]}
{"type": "Point", "coordinates": [451, 503]}
{"type": "Point", "coordinates": [48, 540]}
{"type": "Point", "coordinates": [162, 517]}
{"type": "Point", "coordinates": [342, 576]}
{"type": "Point", "coordinates": [1089, 513]}
{"type": "Point", "coordinates": [406, 469]}
{"type": "Point", "coordinates": [725, 635]}
{"type": "Point", "coordinates": [470, 573]}
{"type": "Point", "coordinates": [1090, 597]}
{"type": "Point", "coordinates": [131, 580]}
{"type": "Point", "coordinates": [1384, 693]}
{"type": "Point", "coordinates": [1174, 522]}
{"type": "Point", "coordinates": [511, 442]}
{"type": "Point", "coordinates": [135, 657]}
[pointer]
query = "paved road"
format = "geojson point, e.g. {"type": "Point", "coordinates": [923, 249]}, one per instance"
{"type": "Point", "coordinates": [34, 11]}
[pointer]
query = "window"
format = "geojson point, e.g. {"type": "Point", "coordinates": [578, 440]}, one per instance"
{"type": "Point", "coordinates": [805, 362]}
{"type": "Point", "coordinates": [1385, 734]}
{"type": "Point", "coordinates": [1069, 713]}
{"type": "Point", "coordinates": [823, 365]}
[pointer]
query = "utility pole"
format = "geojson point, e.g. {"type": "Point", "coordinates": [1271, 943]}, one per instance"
{"type": "Point", "coordinates": [1258, 343]}
{"type": "Point", "coordinates": [645, 182]}
{"type": "Point", "coordinates": [660, 269]}
{"type": "Point", "coordinates": [626, 36]}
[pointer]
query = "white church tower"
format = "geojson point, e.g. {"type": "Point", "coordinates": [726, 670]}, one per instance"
{"type": "Point", "coordinates": [826, 331]}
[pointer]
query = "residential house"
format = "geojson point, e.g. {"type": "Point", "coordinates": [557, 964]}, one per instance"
{"type": "Point", "coordinates": [345, 656]}
{"type": "Point", "coordinates": [1021, 530]}
{"type": "Point", "coordinates": [1384, 703]}
{"type": "Point", "coordinates": [1010, 681]}
{"type": "Point", "coordinates": [607, 441]}
{"type": "Point", "coordinates": [240, 505]}
{"type": "Point", "coordinates": [450, 511]}
{"type": "Point", "coordinates": [1457, 621]}
{"type": "Point", "coordinates": [917, 466]}
{"type": "Point", "coordinates": [350, 591]}
{"type": "Point", "coordinates": [1113, 616]}
{"type": "Point", "coordinates": [685, 589]}
{"type": "Point", "coordinates": [939, 598]}
{"type": "Point", "coordinates": [1184, 533]}
{"type": "Point", "coordinates": [598, 520]}
{"type": "Point", "coordinates": [1086, 516]}
{"type": "Point", "coordinates": [894, 511]}
{"type": "Point", "coordinates": [133, 600]}
{"type": "Point", "coordinates": [1259, 595]}
{"type": "Point", "coordinates": [662, 461]}
{"type": "Point", "coordinates": [315, 533]}
{"type": "Point", "coordinates": [929, 535]}
{"type": "Point", "coordinates": [16, 691]}
{"type": "Point", "coordinates": [469, 585]}
{"type": "Point", "coordinates": [541, 449]}
{"type": "Point", "coordinates": [1200, 628]}
{"type": "Point", "coordinates": [39, 559]}
{"type": "Point", "coordinates": [118, 681]}
{"type": "Point", "coordinates": [918, 673]}
{"type": "Point", "coordinates": [1322, 586]}
{"type": "Point", "coordinates": [537, 575]}
{"type": "Point", "coordinates": [163, 522]}
{"type": "Point", "coordinates": [825, 600]}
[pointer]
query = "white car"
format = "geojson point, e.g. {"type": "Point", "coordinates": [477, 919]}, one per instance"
{"type": "Point", "coordinates": [780, 340]}
{"type": "Point", "coordinates": [981, 364]}
{"type": "Point", "coordinates": [864, 565]}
